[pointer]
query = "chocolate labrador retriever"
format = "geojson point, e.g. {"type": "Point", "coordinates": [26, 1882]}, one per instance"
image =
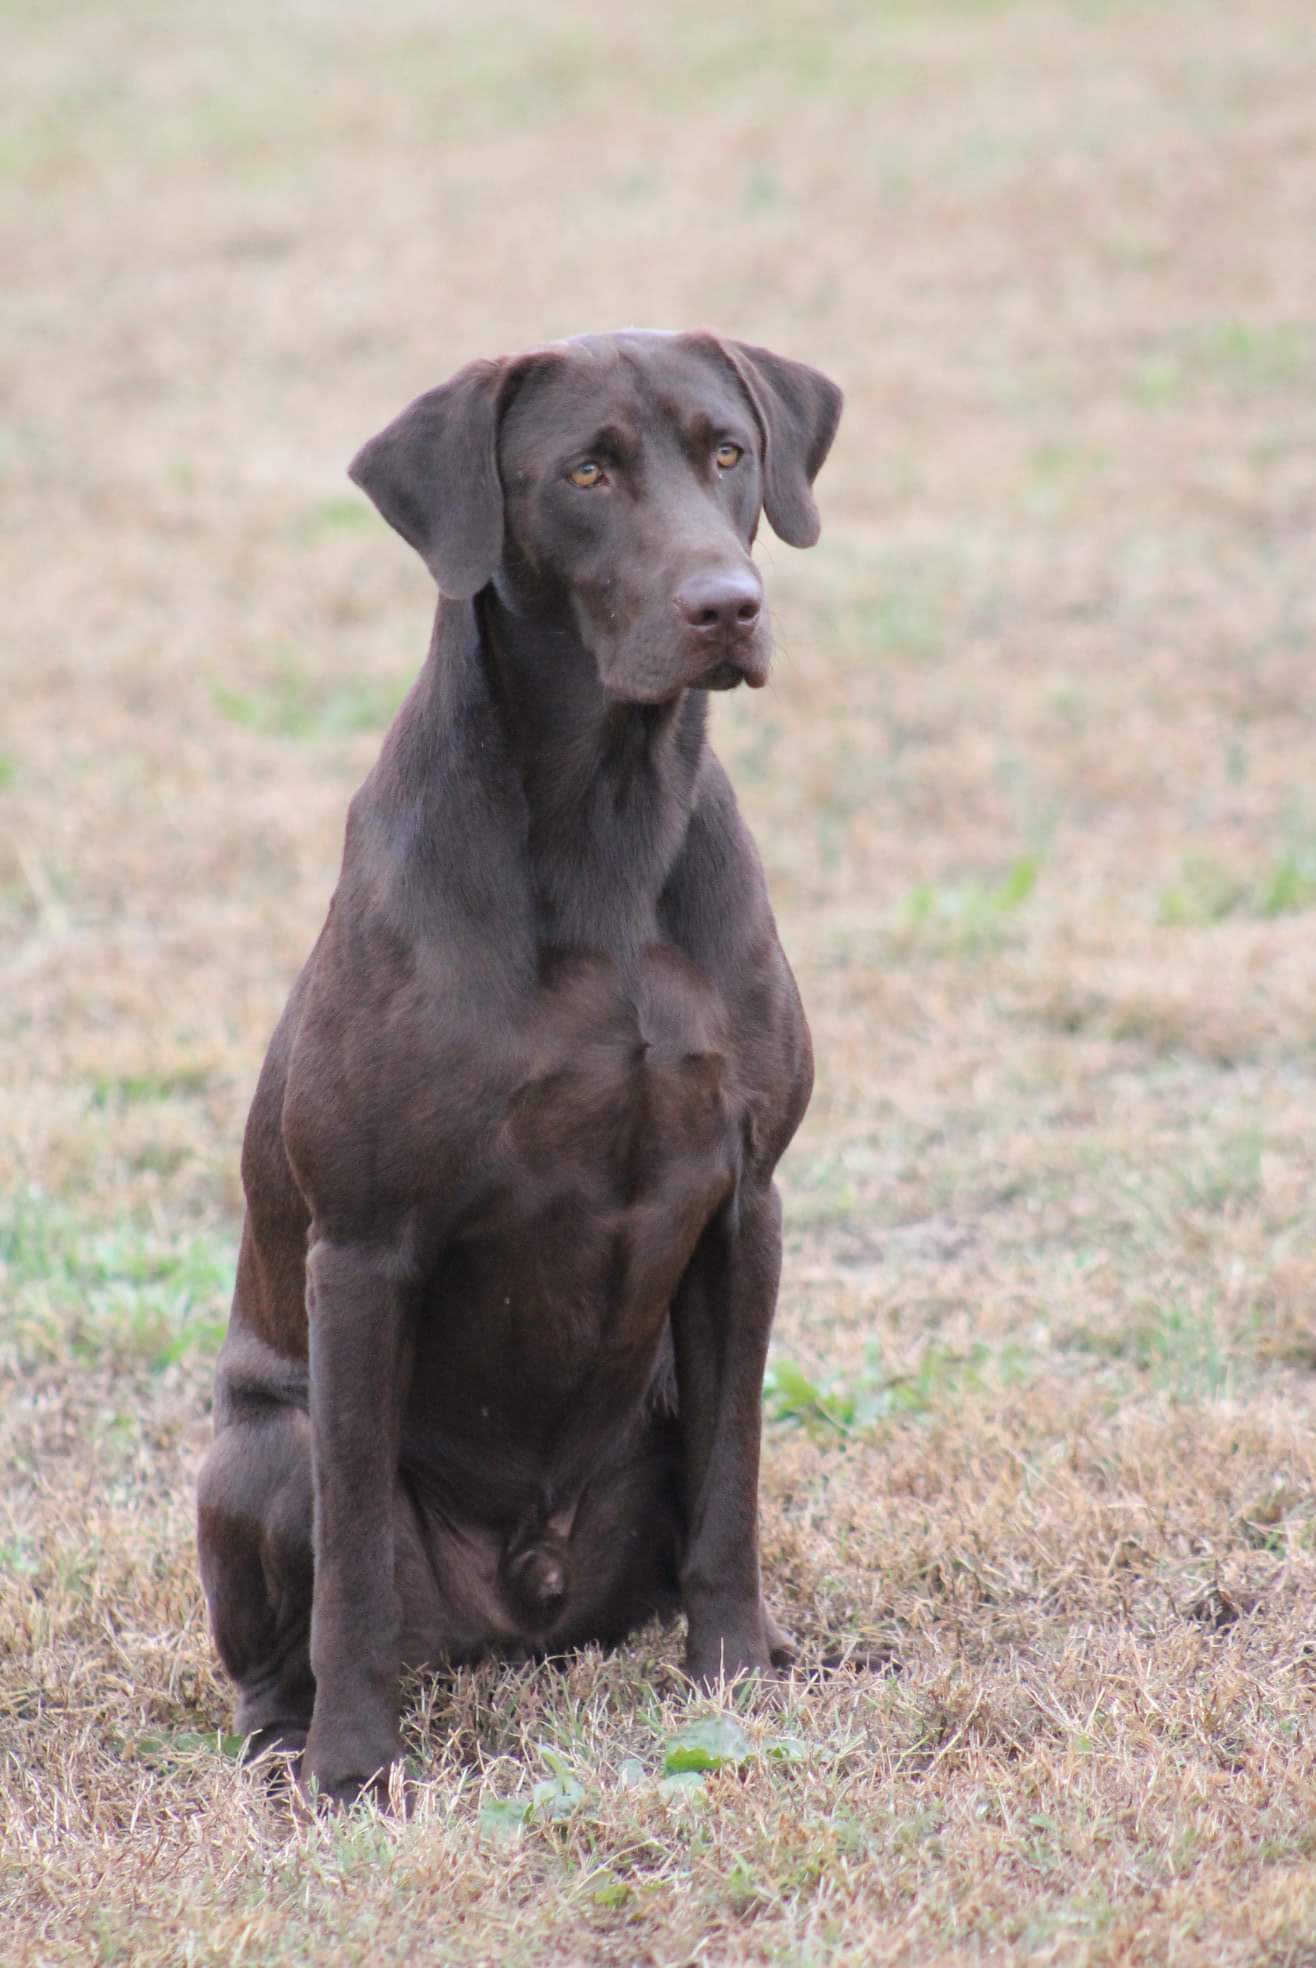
{"type": "Point", "coordinates": [493, 1376]}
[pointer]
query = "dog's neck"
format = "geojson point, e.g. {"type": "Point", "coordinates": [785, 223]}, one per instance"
{"type": "Point", "coordinates": [561, 725]}
{"type": "Point", "coordinates": [608, 785]}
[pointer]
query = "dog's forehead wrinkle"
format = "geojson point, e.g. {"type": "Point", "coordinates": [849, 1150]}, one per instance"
{"type": "Point", "coordinates": [653, 384]}
{"type": "Point", "coordinates": [617, 435]}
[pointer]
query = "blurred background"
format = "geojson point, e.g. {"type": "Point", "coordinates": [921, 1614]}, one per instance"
{"type": "Point", "coordinates": [1033, 781]}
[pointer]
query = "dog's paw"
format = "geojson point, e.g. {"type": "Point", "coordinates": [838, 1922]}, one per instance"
{"type": "Point", "coordinates": [274, 1753]}
{"type": "Point", "coordinates": [752, 1644]}
{"type": "Point", "coordinates": [282, 1739]}
{"type": "Point", "coordinates": [341, 1770]}
{"type": "Point", "coordinates": [719, 1664]}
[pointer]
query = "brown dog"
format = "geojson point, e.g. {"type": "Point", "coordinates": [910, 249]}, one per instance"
{"type": "Point", "coordinates": [494, 1370]}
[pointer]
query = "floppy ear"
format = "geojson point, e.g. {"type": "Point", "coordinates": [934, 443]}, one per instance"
{"type": "Point", "coordinates": [433, 473]}
{"type": "Point", "coordinates": [798, 409]}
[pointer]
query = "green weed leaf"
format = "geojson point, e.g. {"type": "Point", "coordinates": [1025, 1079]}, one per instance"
{"type": "Point", "coordinates": [716, 1743]}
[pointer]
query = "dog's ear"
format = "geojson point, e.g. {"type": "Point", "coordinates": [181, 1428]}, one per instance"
{"type": "Point", "coordinates": [798, 409]}
{"type": "Point", "coordinates": [433, 473]}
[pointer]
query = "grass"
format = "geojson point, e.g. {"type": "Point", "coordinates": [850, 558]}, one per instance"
{"type": "Point", "coordinates": [1031, 784]}
{"type": "Point", "coordinates": [1206, 891]}
{"type": "Point", "coordinates": [293, 706]}
{"type": "Point", "coordinates": [972, 912]}
{"type": "Point", "coordinates": [843, 1405]}
{"type": "Point", "coordinates": [123, 1296]}
{"type": "Point", "coordinates": [1233, 356]}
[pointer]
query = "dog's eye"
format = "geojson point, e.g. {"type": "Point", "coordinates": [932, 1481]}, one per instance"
{"type": "Point", "coordinates": [587, 474]}
{"type": "Point", "coordinates": [727, 454]}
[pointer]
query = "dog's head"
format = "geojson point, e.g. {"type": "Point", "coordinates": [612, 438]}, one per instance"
{"type": "Point", "coordinates": [613, 485]}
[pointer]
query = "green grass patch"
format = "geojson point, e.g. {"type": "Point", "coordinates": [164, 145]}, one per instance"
{"type": "Point", "coordinates": [971, 914]}
{"type": "Point", "coordinates": [843, 1405]}
{"type": "Point", "coordinates": [340, 513]}
{"type": "Point", "coordinates": [293, 706]}
{"type": "Point", "coordinates": [898, 606]}
{"type": "Point", "coordinates": [1179, 1348]}
{"type": "Point", "coordinates": [170, 1753]}
{"type": "Point", "coordinates": [1289, 884]}
{"type": "Point", "coordinates": [906, 620]}
{"type": "Point", "coordinates": [1207, 892]}
{"type": "Point", "coordinates": [141, 1089]}
{"type": "Point", "coordinates": [121, 1295]}
{"type": "Point", "coordinates": [1183, 1350]}
{"type": "Point", "coordinates": [823, 1189]}
{"type": "Point", "coordinates": [678, 1768]}
{"type": "Point", "coordinates": [1239, 357]}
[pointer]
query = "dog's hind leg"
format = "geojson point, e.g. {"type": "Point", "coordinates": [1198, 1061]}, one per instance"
{"type": "Point", "coordinates": [254, 1533]}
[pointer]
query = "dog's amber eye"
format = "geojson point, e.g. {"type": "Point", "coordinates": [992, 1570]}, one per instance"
{"type": "Point", "coordinates": [587, 474]}
{"type": "Point", "coordinates": [727, 454]}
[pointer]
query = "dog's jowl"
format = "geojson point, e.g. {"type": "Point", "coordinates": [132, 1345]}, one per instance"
{"type": "Point", "coordinates": [492, 1380]}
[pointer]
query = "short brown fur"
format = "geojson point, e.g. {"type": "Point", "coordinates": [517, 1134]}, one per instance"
{"type": "Point", "coordinates": [493, 1374]}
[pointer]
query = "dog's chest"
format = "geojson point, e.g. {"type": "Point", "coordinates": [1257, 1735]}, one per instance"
{"type": "Point", "coordinates": [625, 1120]}
{"type": "Point", "coordinates": [619, 1142]}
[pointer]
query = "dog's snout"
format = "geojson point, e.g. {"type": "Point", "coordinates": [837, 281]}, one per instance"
{"type": "Point", "coordinates": [721, 605]}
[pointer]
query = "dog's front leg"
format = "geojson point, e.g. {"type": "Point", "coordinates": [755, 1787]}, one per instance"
{"type": "Point", "coordinates": [359, 1353]}
{"type": "Point", "coordinates": [721, 1319]}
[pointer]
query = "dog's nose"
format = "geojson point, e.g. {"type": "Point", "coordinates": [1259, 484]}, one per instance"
{"type": "Point", "coordinates": [721, 605]}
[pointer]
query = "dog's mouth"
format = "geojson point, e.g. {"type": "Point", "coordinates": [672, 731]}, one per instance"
{"type": "Point", "coordinates": [722, 676]}
{"type": "Point", "coordinates": [724, 667]}
{"type": "Point", "coordinates": [729, 674]}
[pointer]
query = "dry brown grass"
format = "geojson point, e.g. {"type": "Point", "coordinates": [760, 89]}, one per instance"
{"type": "Point", "coordinates": [1034, 786]}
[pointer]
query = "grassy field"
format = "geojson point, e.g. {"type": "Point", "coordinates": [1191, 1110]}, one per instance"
{"type": "Point", "coordinates": [1034, 783]}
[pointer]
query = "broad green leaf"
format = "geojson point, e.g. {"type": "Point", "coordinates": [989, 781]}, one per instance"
{"type": "Point", "coordinates": [711, 1744]}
